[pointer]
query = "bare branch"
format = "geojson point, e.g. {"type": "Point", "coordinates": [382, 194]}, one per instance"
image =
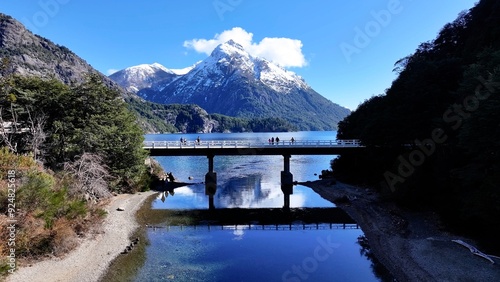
{"type": "Point", "coordinates": [91, 177]}
{"type": "Point", "coordinates": [38, 135]}
{"type": "Point", "coordinates": [7, 132]}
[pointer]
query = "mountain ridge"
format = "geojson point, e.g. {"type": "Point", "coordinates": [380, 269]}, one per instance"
{"type": "Point", "coordinates": [232, 82]}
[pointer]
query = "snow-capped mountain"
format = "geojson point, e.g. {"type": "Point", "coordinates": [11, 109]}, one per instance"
{"type": "Point", "coordinates": [232, 82]}
{"type": "Point", "coordinates": [230, 62]}
{"type": "Point", "coordinates": [153, 76]}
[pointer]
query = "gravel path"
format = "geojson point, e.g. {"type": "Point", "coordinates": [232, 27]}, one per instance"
{"type": "Point", "coordinates": [412, 245]}
{"type": "Point", "coordinates": [91, 259]}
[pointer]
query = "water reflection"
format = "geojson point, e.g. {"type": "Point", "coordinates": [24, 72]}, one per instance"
{"type": "Point", "coordinates": [250, 191]}
{"type": "Point", "coordinates": [245, 182]}
{"type": "Point", "coordinates": [164, 194]}
{"type": "Point", "coordinates": [379, 270]}
{"type": "Point", "coordinates": [232, 254]}
{"type": "Point", "coordinates": [243, 192]}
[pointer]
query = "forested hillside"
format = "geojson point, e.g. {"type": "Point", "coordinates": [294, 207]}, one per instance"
{"type": "Point", "coordinates": [435, 133]}
{"type": "Point", "coordinates": [173, 118]}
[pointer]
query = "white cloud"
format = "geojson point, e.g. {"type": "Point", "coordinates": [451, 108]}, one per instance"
{"type": "Point", "coordinates": [111, 71]}
{"type": "Point", "coordinates": [285, 52]}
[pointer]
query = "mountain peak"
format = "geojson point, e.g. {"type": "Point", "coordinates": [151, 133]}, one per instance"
{"type": "Point", "coordinates": [229, 48]}
{"type": "Point", "coordinates": [144, 76]}
{"type": "Point", "coordinates": [145, 69]}
{"type": "Point", "coordinates": [233, 44]}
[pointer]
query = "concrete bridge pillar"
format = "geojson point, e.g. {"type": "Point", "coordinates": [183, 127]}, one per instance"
{"type": "Point", "coordinates": [286, 181]}
{"type": "Point", "coordinates": [210, 182]}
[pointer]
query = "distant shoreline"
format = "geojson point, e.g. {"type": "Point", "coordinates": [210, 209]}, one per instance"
{"type": "Point", "coordinates": [412, 245]}
{"type": "Point", "coordinates": [91, 259]}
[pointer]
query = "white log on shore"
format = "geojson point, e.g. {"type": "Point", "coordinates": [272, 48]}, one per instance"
{"type": "Point", "coordinates": [474, 250]}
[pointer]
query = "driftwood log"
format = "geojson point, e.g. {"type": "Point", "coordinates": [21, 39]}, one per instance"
{"type": "Point", "coordinates": [474, 250]}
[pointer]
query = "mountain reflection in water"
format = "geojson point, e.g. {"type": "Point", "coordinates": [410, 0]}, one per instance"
{"type": "Point", "coordinates": [249, 191]}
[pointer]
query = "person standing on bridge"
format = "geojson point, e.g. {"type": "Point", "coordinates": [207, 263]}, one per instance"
{"type": "Point", "coordinates": [198, 140]}
{"type": "Point", "coordinates": [293, 140]}
{"type": "Point", "coordinates": [277, 140]}
{"type": "Point", "coordinates": [272, 140]}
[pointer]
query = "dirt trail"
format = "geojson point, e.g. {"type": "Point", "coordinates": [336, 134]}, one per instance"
{"type": "Point", "coordinates": [92, 257]}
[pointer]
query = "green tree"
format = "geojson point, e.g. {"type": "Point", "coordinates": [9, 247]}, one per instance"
{"type": "Point", "coordinates": [86, 118]}
{"type": "Point", "coordinates": [96, 120]}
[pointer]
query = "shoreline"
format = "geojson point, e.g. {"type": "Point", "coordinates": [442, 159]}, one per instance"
{"type": "Point", "coordinates": [412, 245]}
{"type": "Point", "coordinates": [95, 253]}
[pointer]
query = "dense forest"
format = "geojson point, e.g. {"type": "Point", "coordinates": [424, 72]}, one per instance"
{"type": "Point", "coordinates": [173, 118]}
{"type": "Point", "coordinates": [434, 135]}
{"type": "Point", "coordinates": [64, 150]}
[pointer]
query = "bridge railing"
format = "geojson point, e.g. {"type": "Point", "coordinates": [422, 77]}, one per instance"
{"type": "Point", "coordinates": [220, 144]}
{"type": "Point", "coordinates": [260, 227]}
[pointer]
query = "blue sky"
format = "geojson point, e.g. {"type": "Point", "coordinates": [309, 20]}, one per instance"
{"type": "Point", "coordinates": [345, 50]}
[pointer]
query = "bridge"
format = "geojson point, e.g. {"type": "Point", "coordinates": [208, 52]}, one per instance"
{"type": "Point", "coordinates": [212, 148]}
{"type": "Point", "coordinates": [245, 147]}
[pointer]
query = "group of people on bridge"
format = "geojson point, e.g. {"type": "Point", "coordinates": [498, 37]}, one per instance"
{"type": "Point", "coordinates": [184, 140]}
{"type": "Point", "coordinates": [272, 140]}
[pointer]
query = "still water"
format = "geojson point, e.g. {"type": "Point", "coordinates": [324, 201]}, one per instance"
{"type": "Point", "coordinates": [319, 252]}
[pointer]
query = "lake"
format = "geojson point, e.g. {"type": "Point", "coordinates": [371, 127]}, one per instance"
{"type": "Point", "coordinates": [276, 252]}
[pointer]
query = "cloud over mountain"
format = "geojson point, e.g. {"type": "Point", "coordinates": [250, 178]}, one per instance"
{"type": "Point", "coordinates": [285, 52]}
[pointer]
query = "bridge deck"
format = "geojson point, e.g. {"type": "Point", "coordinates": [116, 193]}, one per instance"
{"type": "Point", "coordinates": [245, 147]}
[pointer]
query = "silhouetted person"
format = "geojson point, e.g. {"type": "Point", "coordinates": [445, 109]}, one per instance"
{"type": "Point", "coordinates": [272, 140]}
{"type": "Point", "coordinates": [171, 177]}
{"type": "Point", "coordinates": [277, 140]}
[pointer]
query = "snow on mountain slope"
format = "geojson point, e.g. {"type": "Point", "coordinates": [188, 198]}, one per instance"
{"type": "Point", "coordinates": [143, 76]}
{"type": "Point", "coordinates": [233, 56]}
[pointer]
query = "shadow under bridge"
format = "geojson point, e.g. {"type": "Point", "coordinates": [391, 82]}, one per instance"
{"type": "Point", "coordinates": [253, 219]}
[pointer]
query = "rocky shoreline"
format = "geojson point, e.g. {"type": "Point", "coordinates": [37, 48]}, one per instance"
{"type": "Point", "coordinates": [412, 245]}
